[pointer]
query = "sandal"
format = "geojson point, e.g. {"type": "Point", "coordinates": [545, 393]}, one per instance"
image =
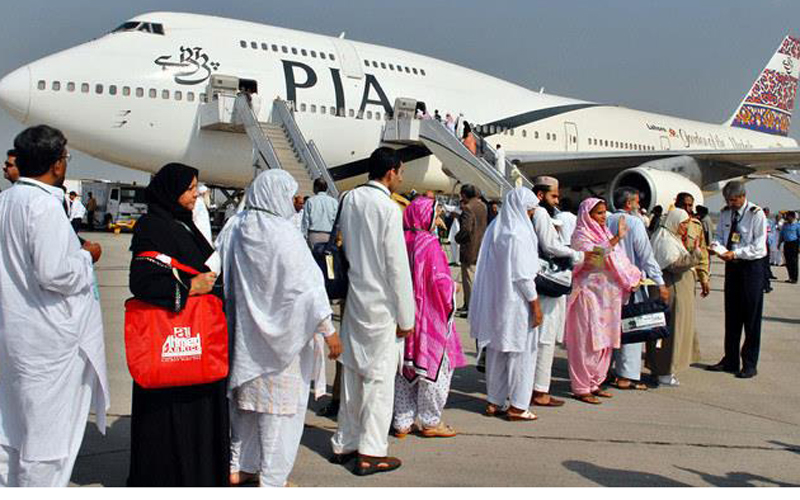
{"type": "Point", "coordinates": [603, 394]}
{"type": "Point", "coordinates": [401, 433]}
{"type": "Point", "coordinates": [440, 431]}
{"type": "Point", "coordinates": [493, 410]}
{"type": "Point", "coordinates": [525, 416]}
{"type": "Point", "coordinates": [367, 465]}
{"type": "Point", "coordinates": [631, 385]}
{"type": "Point", "coordinates": [587, 398]}
{"type": "Point", "coordinates": [342, 458]}
{"type": "Point", "coordinates": [551, 401]}
{"type": "Point", "coordinates": [241, 478]}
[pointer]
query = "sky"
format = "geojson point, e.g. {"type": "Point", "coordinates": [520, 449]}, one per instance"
{"type": "Point", "coordinates": [687, 58]}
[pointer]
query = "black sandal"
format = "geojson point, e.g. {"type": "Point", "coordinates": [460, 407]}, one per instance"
{"type": "Point", "coordinates": [375, 465]}
{"type": "Point", "coordinates": [342, 458]}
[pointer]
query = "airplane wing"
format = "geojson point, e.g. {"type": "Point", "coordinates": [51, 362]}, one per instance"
{"type": "Point", "coordinates": [573, 168]}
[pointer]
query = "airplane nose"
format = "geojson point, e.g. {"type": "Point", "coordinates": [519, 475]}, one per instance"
{"type": "Point", "coordinates": [15, 93]}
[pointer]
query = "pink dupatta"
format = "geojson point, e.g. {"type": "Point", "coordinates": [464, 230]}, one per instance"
{"type": "Point", "coordinates": [434, 293]}
{"type": "Point", "coordinates": [595, 305]}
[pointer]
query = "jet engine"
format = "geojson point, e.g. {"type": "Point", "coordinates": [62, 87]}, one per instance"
{"type": "Point", "coordinates": [656, 187]}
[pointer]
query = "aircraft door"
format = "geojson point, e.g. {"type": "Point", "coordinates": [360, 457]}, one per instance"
{"type": "Point", "coordinates": [348, 57]}
{"type": "Point", "coordinates": [665, 145]}
{"type": "Point", "coordinates": [571, 136]}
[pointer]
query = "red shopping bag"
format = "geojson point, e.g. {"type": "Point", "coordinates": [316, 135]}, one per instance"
{"type": "Point", "coordinates": [168, 349]}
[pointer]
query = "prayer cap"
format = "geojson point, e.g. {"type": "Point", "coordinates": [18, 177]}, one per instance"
{"type": "Point", "coordinates": [545, 180]}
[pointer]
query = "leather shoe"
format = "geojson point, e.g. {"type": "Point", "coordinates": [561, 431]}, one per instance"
{"type": "Point", "coordinates": [721, 367]}
{"type": "Point", "coordinates": [747, 373]}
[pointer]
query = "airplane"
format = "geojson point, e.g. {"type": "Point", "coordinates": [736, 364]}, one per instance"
{"type": "Point", "coordinates": [135, 95]}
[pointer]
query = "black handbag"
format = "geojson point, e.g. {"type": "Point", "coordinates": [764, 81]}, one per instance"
{"type": "Point", "coordinates": [555, 276]}
{"type": "Point", "coordinates": [332, 261]}
{"type": "Point", "coordinates": [644, 321]}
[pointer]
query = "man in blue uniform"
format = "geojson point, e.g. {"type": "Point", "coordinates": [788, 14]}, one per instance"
{"type": "Point", "coordinates": [741, 241]}
{"type": "Point", "coordinates": [790, 235]}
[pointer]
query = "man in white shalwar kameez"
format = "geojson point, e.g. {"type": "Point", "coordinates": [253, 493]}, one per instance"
{"type": "Point", "coordinates": [504, 309]}
{"type": "Point", "coordinates": [277, 311]}
{"type": "Point", "coordinates": [554, 309]}
{"type": "Point", "coordinates": [379, 313]}
{"type": "Point", "coordinates": [52, 353]}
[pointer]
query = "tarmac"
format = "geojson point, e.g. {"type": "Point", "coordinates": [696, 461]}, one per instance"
{"type": "Point", "coordinates": [713, 430]}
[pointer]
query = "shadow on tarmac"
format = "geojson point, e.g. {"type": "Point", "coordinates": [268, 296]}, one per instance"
{"type": "Point", "coordinates": [736, 479]}
{"type": "Point", "coordinates": [619, 477]}
{"type": "Point", "coordinates": [105, 459]}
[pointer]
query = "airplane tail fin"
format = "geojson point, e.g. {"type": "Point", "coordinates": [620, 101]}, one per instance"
{"type": "Point", "coordinates": [769, 104]}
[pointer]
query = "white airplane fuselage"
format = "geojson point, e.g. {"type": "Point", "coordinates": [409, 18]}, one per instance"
{"type": "Point", "coordinates": [147, 130]}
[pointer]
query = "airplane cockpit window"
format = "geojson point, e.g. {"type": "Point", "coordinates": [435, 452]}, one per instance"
{"type": "Point", "coordinates": [145, 27]}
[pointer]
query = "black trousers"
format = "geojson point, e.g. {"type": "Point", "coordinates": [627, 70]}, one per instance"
{"type": "Point", "coordinates": [790, 249]}
{"type": "Point", "coordinates": [76, 225]}
{"type": "Point", "coordinates": [744, 304]}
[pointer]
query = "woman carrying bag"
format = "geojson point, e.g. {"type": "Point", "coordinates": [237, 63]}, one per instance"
{"type": "Point", "coordinates": [680, 349]}
{"type": "Point", "coordinates": [179, 435]}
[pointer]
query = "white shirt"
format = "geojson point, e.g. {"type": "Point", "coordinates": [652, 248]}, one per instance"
{"type": "Point", "coordinates": [550, 240]}
{"type": "Point", "coordinates": [752, 229]}
{"type": "Point", "coordinates": [500, 161]}
{"type": "Point", "coordinates": [76, 209]}
{"type": "Point", "coordinates": [568, 223]}
{"type": "Point", "coordinates": [380, 297]}
{"type": "Point", "coordinates": [49, 316]}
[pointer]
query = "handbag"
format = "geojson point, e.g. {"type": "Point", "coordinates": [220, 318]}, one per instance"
{"type": "Point", "coordinates": [173, 349]}
{"type": "Point", "coordinates": [644, 321]}
{"type": "Point", "coordinates": [555, 275]}
{"type": "Point", "coordinates": [332, 261]}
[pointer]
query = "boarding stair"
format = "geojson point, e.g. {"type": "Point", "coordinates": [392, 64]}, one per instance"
{"type": "Point", "coordinates": [404, 128]}
{"type": "Point", "coordinates": [277, 143]}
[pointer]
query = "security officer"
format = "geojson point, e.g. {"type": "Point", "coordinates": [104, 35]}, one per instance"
{"type": "Point", "coordinates": [741, 241]}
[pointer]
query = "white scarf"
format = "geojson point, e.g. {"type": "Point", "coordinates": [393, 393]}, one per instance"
{"type": "Point", "coordinates": [667, 244]}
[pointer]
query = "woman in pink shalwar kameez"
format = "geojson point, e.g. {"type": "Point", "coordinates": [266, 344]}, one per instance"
{"type": "Point", "coordinates": [433, 351]}
{"type": "Point", "coordinates": [594, 309]}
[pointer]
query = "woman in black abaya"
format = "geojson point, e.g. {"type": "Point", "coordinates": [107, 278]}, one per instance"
{"type": "Point", "coordinates": [180, 435]}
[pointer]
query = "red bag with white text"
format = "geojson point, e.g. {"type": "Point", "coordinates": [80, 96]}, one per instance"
{"type": "Point", "coordinates": [168, 349]}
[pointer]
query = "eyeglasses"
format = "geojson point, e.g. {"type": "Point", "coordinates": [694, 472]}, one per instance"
{"type": "Point", "coordinates": [67, 157]}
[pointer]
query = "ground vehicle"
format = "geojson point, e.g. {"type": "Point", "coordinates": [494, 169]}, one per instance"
{"type": "Point", "coordinates": [118, 204]}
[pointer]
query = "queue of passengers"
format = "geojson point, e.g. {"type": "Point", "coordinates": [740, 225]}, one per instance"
{"type": "Point", "coordinates": [398, 346]}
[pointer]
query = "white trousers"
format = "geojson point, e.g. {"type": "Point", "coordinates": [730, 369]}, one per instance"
{"type": "Point", "coordinates": [509, 376]}
{"type": "Point", "coordinates": [16, 471]}
{"type": "Point", "coordinates": [365, 411]}
{"type": "Point", "coordinates": [266, 444]}
{"type": "Point", "coordinates": [628, 361]}
{"type": "Point", "coordinates": [550, 331]}
{"type": "Point", "coordinates": [424, 399]}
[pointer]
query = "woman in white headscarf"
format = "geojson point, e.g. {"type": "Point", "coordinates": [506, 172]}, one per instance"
{"type": "Point", "coordinates": [276, 304]}
{"type": "Point", "coordinates": [679, 350]}
{"type": "Point", "coordinates": [504, 308]}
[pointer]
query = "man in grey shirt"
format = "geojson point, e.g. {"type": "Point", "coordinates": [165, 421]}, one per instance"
{"type": "Point", "coordinates": [319, 214]}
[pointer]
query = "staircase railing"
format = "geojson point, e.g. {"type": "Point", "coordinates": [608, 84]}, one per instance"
{"type": "Point", "coordinates": [309, 154]}
{"type": "Point", "coordinates": [490, 156]}
{"type": "Point", "coordinates": [262, 146]}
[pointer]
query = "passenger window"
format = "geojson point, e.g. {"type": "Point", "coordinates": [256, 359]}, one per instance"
{"type": "Point", "coordinates": [264, 46]}
{"type": "Point", "coordinates": [152, 93]}
{"type": "Point", "coordinates": [313, 108]}
{"type": "Point", "coordinates": [126, 91]}
{"type": "Point", "coordinates": [415, 71]}
{"type": "Point", "coordinates": [331, 57]}
{"type": "Point", "coordinates": [377, 116]}
{"type": "Point", "coordinates": [294, 51]}
{"type": "Point", "coordinates": [56, 86]}
{"type": "Point", "coordinates": [548, 136]}
{"type": "Point", "coordinates": [190, 96]}
{"type": "Point", "coordinates": [554, 137]}
{"type": "Point", "coordinates": [303, 107]}
{"type": "Point", "coordinates": [351, 113]}
{"type": "Point", "coordinates": [383, 65]}
{"type": "Point", "coordinates": [536, 134]}
{"type": "Point", "coordinates": [369, 115]}
{"type": "Point", "coordinates": [85, 88]}
{"type": "Point", "coordinates": [41, 85]}
{"type": "Point", "coordinates": [408, 70]}
{"type": "Point", "coordinates": [243, 44]}
{"type": "Point", "coordinates": [391, 66]}
{"type": "Point", "coordinates": [178, 95]}
{"type": "Point", "coordinates": [511, 131]}
{"type": "Point", "coordinates": [374, 64]}
{"type": "Point", "coordinates": [303, 52]}
{"type": "Point", "coordinates": [322, 55]}
{"type": "Point", "coordinates": [165, 94]}
{"type": "Point", "coordinates": [341, 113]}
{"type": "Point", "coordinates": [274, 48]}
{"type": "Point", "coordinates": [112, 90]}
{"type": "Point", "coordinates": [139, 92]}
{"type": "Point", "coordinates": [524, 133]}
{"type": "Point", "coordinates": [71, 87]}
{"type": "Point", "coordinates": [314, 54]}
{"type": "Point", "coordinates": [284, 49]}
{"type": "Point", "coordinates": [322, 110]}
{"type": "Point", "coordinates": [422, 71]}
{"type": "Point", "coordinates": [253, 45]}
{"type": "Point", "coordinates": [98, 89]}
{"type": "Point", "coordinates": [203, 98]}
{"type": "Point", "coordinates": [333, 110]}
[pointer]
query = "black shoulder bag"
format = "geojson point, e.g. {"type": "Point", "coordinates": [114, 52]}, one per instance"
{"type": "Point", "coordinates": [644, 321]}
